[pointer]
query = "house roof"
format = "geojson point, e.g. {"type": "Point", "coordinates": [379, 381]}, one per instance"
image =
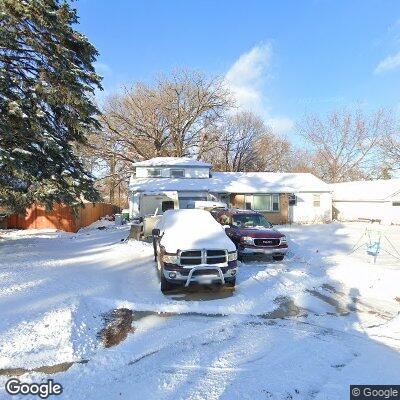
{"type": "Point", "coordinates": [172, 162]}
{"type": "Point", "coordinates": [236, 182]}
{"type": "Point", "coordinates": [377, 190]}
{"type": "Point", "coordinates": [270, 182]}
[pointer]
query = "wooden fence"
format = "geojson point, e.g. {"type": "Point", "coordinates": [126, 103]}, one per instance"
{"type": "Point", "coordinates": [61, 217]}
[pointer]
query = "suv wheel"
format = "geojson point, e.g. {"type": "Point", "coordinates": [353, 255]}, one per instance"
{"type": "Point", "coordinates": [278, 258]}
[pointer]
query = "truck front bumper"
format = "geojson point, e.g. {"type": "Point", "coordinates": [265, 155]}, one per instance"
{"type": "Point", "coordinates": [202, 274]}
{"type": "Point", "coordinates": [263, 250]}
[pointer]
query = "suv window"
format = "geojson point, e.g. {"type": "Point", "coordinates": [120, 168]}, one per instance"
{"type": "Point", "coordinates": [250, 221]}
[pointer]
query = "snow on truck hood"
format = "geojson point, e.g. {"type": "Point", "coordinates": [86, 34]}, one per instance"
{"type": "Point", "coordinates": [192, 229]}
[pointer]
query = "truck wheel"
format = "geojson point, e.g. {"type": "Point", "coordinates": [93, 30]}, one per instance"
{"type": "Point", "coordinates": [230, 282]}
{"type": "Point", "coordinates": [165, 285]}
{"type": "Point", "coordinates": [155, 249]}
{"type": "Point", "coordinates": [159, 266]}
{"type": "Point", "coordinates": [278, 258]}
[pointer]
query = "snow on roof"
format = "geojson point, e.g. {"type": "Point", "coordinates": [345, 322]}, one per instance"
{"type": "Point", "coordinates": [270, 182]}
{"type": "Point", "coordinates": [376, 190]}
{"type": "Point", "coordinates": [236, 182]}
{"type": "Point", "coordinates": [168, 184]}
{"type": "Point", "coordinates": [201, 232]}
{"type": "Point", "coordinates": [172, 162]}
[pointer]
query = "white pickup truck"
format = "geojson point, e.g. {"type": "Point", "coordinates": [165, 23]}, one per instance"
{"type": "Point", "coordinates": [190, 246]}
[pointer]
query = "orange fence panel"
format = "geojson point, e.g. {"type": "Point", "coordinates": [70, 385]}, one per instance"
{"type": "Point", "coordinates": [61, 217]}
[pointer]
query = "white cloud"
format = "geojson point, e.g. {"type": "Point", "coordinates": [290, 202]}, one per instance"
{"type": "Point", "coordinates": [112, 83]}
{"type": "Point", "coordinates": [102, 69]}
{"type": "Point", "coordinates": [280, 125]}
{"type": "Point", "coordinates": [388, 64]}
{"type": "Point", "coordinates": [246, 77]}
{"type": "Point", "coordinates": [246, 80]}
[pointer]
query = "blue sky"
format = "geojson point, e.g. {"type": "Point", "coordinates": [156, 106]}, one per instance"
{"type": "Point", "coordinates": [281, 59]}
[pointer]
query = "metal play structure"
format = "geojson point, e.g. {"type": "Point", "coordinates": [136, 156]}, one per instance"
{"type": "Point", "coordinates": [376, 242]}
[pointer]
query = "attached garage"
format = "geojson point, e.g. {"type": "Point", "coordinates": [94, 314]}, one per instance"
{"type": "Point", "coordinates": [377, 200]}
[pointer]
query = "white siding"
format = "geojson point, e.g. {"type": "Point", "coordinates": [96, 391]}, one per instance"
{"type": "Point", "coordinates": [187, 198]}
{"type": "Point", "coordinates": [134, 204]}
{"type": "Point", "coordinates": [197, 173]}
{"type": "Point", "coordinates": [305, 212]}
{"type": "Point", "coordinates": [190, 172]}
{"type": "Point", "coordinates": [394, 211]}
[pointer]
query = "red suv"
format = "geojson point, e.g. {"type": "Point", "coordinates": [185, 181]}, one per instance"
{"type": "Point", "coordinates": [252, 233]}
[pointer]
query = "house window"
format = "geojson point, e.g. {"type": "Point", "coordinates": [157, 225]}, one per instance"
{"type": "Point", "coordinates": [396, 203]}
{"type": "Point", "coordinates": [177, 173]}
{"type": "Point", "coordinates": [262, 202]}
{"type": "Point", "coordinates": [153, 172]}
{"type": "Point", "coordinates": [275, 202]}
{"type": "Point", "coordinates": [167, 205]}
{"type": "Point", "coordinates": [248, 202]}
{"type": "Point", "coordinates": [317, 200]}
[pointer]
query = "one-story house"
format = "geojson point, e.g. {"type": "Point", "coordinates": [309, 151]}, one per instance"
{"type": "Point", "coordinates": [281, 197]}
{"type": "Point", "coordinates": [377, 200]}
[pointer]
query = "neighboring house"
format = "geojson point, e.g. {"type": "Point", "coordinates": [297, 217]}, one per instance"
{"type": "Point", "coordinates": [282, 197]}
{"type": "Point", "coordinates": [373, 200]}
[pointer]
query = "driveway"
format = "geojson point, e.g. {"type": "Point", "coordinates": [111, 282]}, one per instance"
{"type": "Point", "coordinates": [305, 328]}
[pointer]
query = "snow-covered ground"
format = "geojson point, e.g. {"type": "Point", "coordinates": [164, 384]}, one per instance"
{"type": "Point", "coordinates": [304, 328]}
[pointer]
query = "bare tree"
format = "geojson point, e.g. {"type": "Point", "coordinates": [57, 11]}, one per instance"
{"type": "Point", "coordinates": [191, 105]}
{"type": "Point", "coordinates": [170, 118]}
{"type": "Point", "coordinates": [273, 153]}
{"type": "Point", "coordinates": [301, 160]}
{"type": "Point", "coordinates": [233, 142]}
{"type": "Point", "coordinates": [173, 117]}
{"type": "Point", "coordinates": [345, 144]}
{"type": "Point", "coordinates": [245, 143]}
{"type": "Point", "coordinates": [133, 125]}
{"type": "Point", "coordinates": [111, 171]}
{"type": "Point", "coordinates": [390, 147]}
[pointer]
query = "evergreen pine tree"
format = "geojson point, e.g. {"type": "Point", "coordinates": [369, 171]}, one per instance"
{"type": "Point", "coordinates": [47, 81]}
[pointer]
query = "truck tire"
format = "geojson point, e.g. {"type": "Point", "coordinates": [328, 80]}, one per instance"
{"type": "Point", "coordinates": [278, 258]}
{"type": "Point", "coordinates": [155, 249]}
{"type": "Point", "coordinates": [165, 285]}
{"type": "Point", "coordinates": [231, 282]}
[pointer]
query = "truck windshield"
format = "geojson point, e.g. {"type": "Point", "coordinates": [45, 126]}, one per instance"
{"type": "Point", "coordinates": [250, 221]}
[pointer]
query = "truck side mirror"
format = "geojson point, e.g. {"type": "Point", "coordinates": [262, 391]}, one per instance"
{"type": "Point", "coordinates": [155, 232]}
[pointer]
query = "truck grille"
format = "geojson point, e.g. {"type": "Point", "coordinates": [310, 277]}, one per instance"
{"type": "Point", "coordinates": [203, 272]}
{"type": "Point", "coordinates": [266, 242]}
{"type": "Point", "coordinates": [197, 257]}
